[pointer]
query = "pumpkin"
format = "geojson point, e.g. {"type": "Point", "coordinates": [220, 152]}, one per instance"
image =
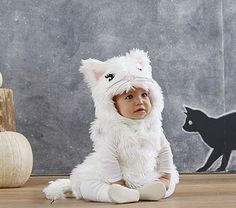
{"type": "Point", "coordinates": [16, 159]}
{"type": "Point", "coordinates": [0, 79]}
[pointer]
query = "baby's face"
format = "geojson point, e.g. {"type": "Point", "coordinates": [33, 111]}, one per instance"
{"type": "Point", "coordinates": [134, 104]}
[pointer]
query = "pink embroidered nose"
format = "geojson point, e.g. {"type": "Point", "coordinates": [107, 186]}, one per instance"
{"type": "Point", "coordinates": [129, 77]}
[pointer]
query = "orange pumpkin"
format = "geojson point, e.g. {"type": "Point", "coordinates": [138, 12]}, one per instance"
{"type": "Point", "coordinates": [16, 159]}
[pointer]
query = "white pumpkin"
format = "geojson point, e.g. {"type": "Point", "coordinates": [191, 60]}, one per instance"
{"type": "Point", "coordinates": [16, 159]}
{"type": "Point", "coordinates": [0, 79]}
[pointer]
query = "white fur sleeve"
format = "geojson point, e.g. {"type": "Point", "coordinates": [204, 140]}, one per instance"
{"type": "Point", "coordinates": [165, 156]}
{"type": "Point", "coordinates": [109, 161]}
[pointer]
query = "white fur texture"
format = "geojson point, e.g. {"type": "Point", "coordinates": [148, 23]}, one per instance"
{"type": "Point", "coordinates": [57, 189]}
{"type": "Point", "coordinates": [138, 141]}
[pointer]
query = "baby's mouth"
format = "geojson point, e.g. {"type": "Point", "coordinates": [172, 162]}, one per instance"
{"type": "Point", "coordinates": [140, 110]}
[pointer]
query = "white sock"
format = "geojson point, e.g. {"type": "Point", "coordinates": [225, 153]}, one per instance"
{"type": "Point", "coordinates": [121, 194]}
{"type": "Point", "coordinates": [153, 191]}
{"type": "Point", "coordinates": [93, 190]}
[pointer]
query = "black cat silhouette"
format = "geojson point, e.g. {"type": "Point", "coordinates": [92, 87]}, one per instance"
{"type": "Point", "coordinates": [218, 133]}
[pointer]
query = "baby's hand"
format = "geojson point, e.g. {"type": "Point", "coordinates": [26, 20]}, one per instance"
{"type": "Point", "coordinates": [166, 179]}
{"type": "Point", "coordinates": [120, 182]}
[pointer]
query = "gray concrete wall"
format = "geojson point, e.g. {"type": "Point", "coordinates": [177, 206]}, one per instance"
{"type": "Point", "coordinates": [191, 44]}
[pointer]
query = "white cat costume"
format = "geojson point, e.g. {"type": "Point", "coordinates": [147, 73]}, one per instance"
{"type": "Point", "coordinates": [134, 150]}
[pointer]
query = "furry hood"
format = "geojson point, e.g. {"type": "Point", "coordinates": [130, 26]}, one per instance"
{"type": "Point", "coordinates": [117, 75]}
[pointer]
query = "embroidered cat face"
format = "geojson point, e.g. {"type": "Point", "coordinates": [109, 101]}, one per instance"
{"type": "Point", "coordinates": [118, 75]}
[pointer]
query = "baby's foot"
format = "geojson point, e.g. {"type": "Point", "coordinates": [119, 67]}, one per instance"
{"type": "Point", "coordinates": [120, 194]}
{"type": "Point", "coordinates": [153, 191]}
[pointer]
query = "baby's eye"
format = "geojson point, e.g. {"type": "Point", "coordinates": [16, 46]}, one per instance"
{"type": "Point", "coordinates": [144, 94]}
{"type": "Point", "coordinates": [129, 97]}
{"type": "Point", "coordinates": [140, 69]}
{"type": "Point", "coordinates": [110, 77]}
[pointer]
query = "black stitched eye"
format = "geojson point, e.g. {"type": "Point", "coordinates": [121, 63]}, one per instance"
{"type": "Point", "coordinates": [110, 77]}
{"type": "Point", "coordinates": [139, 69]}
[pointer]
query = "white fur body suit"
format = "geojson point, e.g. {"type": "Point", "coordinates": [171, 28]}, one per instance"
{"type": "Point", "coordinates": [137, 142]}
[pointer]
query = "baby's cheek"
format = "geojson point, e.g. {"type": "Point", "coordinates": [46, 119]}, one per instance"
{"type": "Point", "coordinates": [149, 106]}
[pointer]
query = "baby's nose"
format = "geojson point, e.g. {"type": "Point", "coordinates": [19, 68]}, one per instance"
{"type": "Point", "coordinates": [139, 100]}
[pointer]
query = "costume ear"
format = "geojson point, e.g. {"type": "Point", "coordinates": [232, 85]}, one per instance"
{"type": "Point", "coordinates": [92, 69]}
{"type": "Point", "coordinates": [141, 56]}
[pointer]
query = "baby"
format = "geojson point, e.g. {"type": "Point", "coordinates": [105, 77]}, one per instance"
{"type": "Point", "coordinates": [132, 159]}
{"type": "Point", "coordinates": [136, 104]}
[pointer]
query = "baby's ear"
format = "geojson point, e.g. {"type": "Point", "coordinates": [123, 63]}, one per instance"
{"type": "Point", "coordinates": [141, 56]}
{"type": "Point", "coordinates": [92, 69]}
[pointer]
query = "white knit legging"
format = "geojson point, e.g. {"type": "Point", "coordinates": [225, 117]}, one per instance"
{"type": "Point", "coordinates": [93, 190]}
